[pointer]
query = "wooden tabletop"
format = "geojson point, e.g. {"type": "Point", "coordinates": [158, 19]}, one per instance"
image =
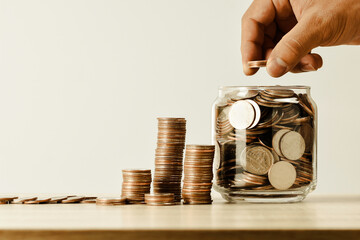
{"type": "Point", "coordinates": [318, 217]}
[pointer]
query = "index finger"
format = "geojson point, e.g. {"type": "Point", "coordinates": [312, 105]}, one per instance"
{"type": "Point", "coordinates": [259, 15]}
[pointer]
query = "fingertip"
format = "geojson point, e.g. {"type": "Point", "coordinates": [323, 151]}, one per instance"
{"type": "Point", "coordinates": [249, 71]}
{"type": "Point", "coordinates": [318, 59]}
{"type": "Point", "coordinates": [309, 63]}
{"type": "Point", "coordinates": [276, 67]}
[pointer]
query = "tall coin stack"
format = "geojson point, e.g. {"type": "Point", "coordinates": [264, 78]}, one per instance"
{"type": "Point", "coordinates": [169, 156]}
{"type": "Point", "coordinates": [198, 174]}
{"type": "Point", "coordinates": [136, 183]}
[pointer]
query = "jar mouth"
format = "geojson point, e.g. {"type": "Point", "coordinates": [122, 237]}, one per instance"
{"type": "Point", "coordinates": [263, 87]}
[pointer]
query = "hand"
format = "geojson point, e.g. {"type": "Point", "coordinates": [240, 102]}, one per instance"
{"type": "Point", "coordinates": [285, 31]}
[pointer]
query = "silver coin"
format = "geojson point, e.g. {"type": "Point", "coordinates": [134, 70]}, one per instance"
{"type": "Point", "coordinates": [257, 113]}
{"type": "Point", "coordinates": [256, 159]}
{"type": "Point", "coordinates": [242, 114]}
{"type": "Point", "coordinates": [282, 175]}
{"type": "Point", "coordinates": [276, 157]}
{"type": "Point", "coordinates": [292, 145]}
{"type": "Point", "coordinates": [276, 140]}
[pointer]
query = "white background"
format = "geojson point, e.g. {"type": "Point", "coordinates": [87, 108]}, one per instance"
{"type": "Point", "coordinates": [83, 81]}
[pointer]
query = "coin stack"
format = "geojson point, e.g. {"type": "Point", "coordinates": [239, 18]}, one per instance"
{"type": "Point", "coordinates": [136, 183]}
{"type": "Point", "coordinates": [198, 174]}
{"type": "Point", "coordinates": [110, 201]}
{"type": "Point", "coordinates": [265, 138]}
{"type": "Point", "coordinates": [169, 156]}
{"type": "Point", "coordinates": [160, 199]}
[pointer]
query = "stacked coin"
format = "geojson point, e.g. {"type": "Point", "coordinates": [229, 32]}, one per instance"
{"type": "Point", "coordinates": [198, 174]}
{"type": "Point", "coordinates": [257, 129]}
{"type": "Point", "coordinates": [159, 199]}
{"type": "Point", "coordinates": [136, 183]}
{"type": "Point", "coordinates": [110, 201]}
{"type": "Point", "coordinates": [169, 156]}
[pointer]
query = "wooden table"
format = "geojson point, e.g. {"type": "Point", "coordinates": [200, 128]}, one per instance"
{"type": "Point", "coordinates": [318, 217]}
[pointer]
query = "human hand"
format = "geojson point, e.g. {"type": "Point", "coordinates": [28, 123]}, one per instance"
{"type": "Point", "coordinates": [285, 31]}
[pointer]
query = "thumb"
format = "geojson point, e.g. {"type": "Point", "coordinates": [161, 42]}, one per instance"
{"type": "Point", "coordinates": [298, 42]}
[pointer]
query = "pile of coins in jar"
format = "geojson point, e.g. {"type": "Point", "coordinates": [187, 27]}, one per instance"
{"type": "Point", "coordinates": [265, 140]}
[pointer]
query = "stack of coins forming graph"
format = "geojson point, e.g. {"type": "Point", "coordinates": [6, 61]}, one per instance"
{"type": "Point", "coordinates": [198, 174]}
{"type": "Point", "coordinates": [169, 156]}
{"type": "Point", "coordinates": [136, 183]}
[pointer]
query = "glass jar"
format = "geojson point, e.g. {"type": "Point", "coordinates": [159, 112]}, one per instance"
{"type": "Point", "coordinates": [266, 143]}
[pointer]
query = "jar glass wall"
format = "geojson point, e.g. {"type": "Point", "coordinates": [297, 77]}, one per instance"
{"type": "Point", "coordinates": [265, 138]}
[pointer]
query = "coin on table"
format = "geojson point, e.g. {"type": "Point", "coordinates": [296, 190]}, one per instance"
{"type": "Point", "coordinates": [276, 140]}
{"type": "Point", "coordinates": [58, 199]}
{"type": "Point", "coordinates": [242, 114]}
{"type": "Point", "coordinates": [91, 200]}
{"type": "Point", "coordinates": [257, 64]}
{"type": "Point", "coordinates": [22, 200]}
{"type": "Point", "coordinates": [38, 200]}
{"type": "Point", "coordinates": [256, 159]}
{"type": "Point", "coordinates": [7, 199]}
{"type": "Point", "coordinates": [292, 145]}
{"type": "Point", "coordinates": [105, 201]}
{"type": "Point", "coordinates": [76, 199]}
{"type": "Point", "coordinates": [282, 175]}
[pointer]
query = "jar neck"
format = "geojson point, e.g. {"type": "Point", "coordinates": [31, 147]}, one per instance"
{"type": "Point", "coordinates": [225, 90]}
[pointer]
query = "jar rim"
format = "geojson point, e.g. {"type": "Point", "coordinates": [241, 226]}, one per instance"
{"type": "Point", "coordinates": [264, 87]}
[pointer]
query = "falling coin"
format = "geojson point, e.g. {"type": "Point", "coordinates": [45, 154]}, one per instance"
{"type": "Point", "coordinates": [282, 175]}
{"type": "Point", "coordinates": [257, 64]}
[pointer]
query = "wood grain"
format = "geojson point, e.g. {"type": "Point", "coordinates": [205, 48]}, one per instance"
{"type": "Point", "coordinates": [318, 217]}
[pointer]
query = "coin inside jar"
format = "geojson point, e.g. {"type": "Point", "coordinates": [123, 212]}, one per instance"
{"type": "Point", "coordinates": [282, 175]}
{"type": "Point", "coordinates": [242, 114]}
{"type": "Point", "coordinates": [292, 145]}
{"type": "Point", "coordinates": [256, 159]}
{"type": "Point", "coordinates": [276, 140]}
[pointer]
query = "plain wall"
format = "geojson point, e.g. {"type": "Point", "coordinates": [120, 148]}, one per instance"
{"type": "Point", "coordinates": [83, 81]}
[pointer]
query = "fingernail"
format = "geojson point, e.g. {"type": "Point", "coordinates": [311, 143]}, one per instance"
{"type": "Point", "coordinates": [277, 67]}
{"type": "Point", "coordinates": [308, 68]}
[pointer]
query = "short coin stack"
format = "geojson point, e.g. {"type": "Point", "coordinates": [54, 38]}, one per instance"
{"type": "Point", "coordinates": [136, 183]}
{"type": "Point", "coordinates": [169, 156]}
{"type": "Point", "coordinates": [159, 199]}
{"type": "Point", "coordinates": [110, 201]}
{"type": "Point", "coordinates": [198, 174]}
